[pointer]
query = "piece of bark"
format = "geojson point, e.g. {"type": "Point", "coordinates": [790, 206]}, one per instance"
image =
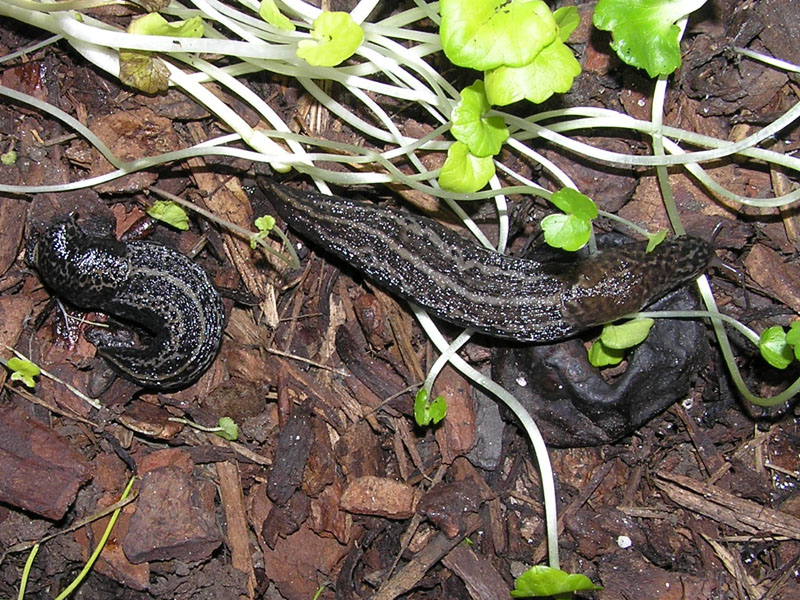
{"type": "Point", "coordinates": [291, 455]}
{"type": "Point", "coordinates": [41, 471]}
{"type": "Point", "coordinates": [481, 579]}
{"type": "Point", "coordinates": [771, 272]}
{"type": "Point", "coordinates": [380, 496]}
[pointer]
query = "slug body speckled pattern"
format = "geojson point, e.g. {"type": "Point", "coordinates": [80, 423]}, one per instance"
{"type": "Point", "coordinates": [145, 283]}
{"type": "Point", "coordinates": [460, 282]}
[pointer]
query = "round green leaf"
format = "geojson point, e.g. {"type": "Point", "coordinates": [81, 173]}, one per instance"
{"type": "Point", "coordinates": [335, 38]}
{"type": "Point", "coordinates": [170, 213]}
{"type": "Point", "coordinates": [483, 136]}
{"type": "Point", "coordinates": [571, 201]}
{"type": "Point", "coordinates": [547, 581]}
{"type": "Point", "coordinates": [774, 349]}
{"type": "Point", "coordinates": [601, 355]}
{"type": "Point", "coordinates": [229, 430]}
{"type": "Point", "coordinates": [567, 19]}
{"type": "Point", "coordinates": [569, 232]}
{"type": "Point", "coordinates": [485, 34]}
{"type": "Point", "coordinates": [627, 335]}
{"type": "Point", "coordinates": [464, 173]}
{"type": "Point", "coordinates": [793, 338]}
{"type": "Point", "coordinates": [552, 71]}
{"type": "Point", "coordinates": [643, 32]}
{"type": "Point", "coordinates": [269, 11]}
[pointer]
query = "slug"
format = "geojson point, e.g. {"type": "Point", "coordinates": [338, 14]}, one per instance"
{"type": "Point", "coordinates": [420, 260]}
{"type": "Point", "coordinates": [145, 283]}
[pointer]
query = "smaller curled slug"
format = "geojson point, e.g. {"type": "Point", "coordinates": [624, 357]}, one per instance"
{"type": "Point", "coordinates": [460, 282]}
{"type": "Point", "coordinates": [144, 283]}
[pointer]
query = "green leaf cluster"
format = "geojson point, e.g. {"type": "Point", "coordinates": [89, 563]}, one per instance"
{"type": "Point", "coordinates": [572, 229]}
{"type": "Point", "coordinates": [23, 370]}
{"type": "Point", "coordinates": [170, 213]}
{"type": "Point", "coordinates": [779, 347]}
{"type": "Point", "coordinates": [609, 348]}
{"type": "Point", "coordinates": [426, 412]}
{"type": "Point", "coordinates": [519, 44]}
{"type": "Point", "coordinates": [265, 224]}
{"type": "Point", "coordinates": [335, 37]}
{"type": "Point", "coordinates": [547, 581]}
{"type": "Point", "coordinates": [644, 33]}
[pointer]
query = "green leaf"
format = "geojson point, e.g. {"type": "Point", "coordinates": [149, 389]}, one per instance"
{"type": "Point", "coordinates": [271, 14]}
{"type": "Point", "coordinates": [793, 338]}
{"type": "Point", "coordinates": [774, 348]}
{"type": "Point", "coordinates": [643, 32]}
{"type": "Point", "coordinates": [627, 335]}
{"type": "Point", "coordinates": [484, 136]}
{"type": "Point", "coordinates": [654, 239]}
{"type": "Point", "coordinates": [155, 24]}
{"type": "Point", "coordinates": [567, 19]}
{"type": "Point", "coordinates": [568, 232]}
{"type": "Point", "coordinates": [601, 355]}
{"type": "Point", "coordinates": [551, 71]}
{"type": "Point", "coordinates": [464, 173]}
{"type": "Point", "coordinates": [23, 370]}
{"type": "Point", "coordinates": [8, 158]}
{"type": "Point", "coordinates": [141, 70]}
{"type": "Point", "coordinates": [228, 429]}
{"type": "Point", "coordinates": [264, 224]}
{"type": "Point", "coordinates": [486, 34]}
{"type": "Point", "coordinates": [547, 581]}
{"type": "Point", "coordinates": [170, 213]}
{"type": "Point", "coordinates": [426, 412]}
{"type": "Point", "coordinates": [571, 201]}
{"type": "Point", "coordinates": [335, 38]}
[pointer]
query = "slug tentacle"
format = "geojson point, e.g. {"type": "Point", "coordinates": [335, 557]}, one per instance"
{"type": "Point", "coordinates": [144, 283]}
{"type": "Point", "coordinates": [420, 260]}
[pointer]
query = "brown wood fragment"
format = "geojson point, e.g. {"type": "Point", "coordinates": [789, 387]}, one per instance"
{"type": "Point", "coordinates": [482, 580]}
{"type": "Point", "coordinates": [771, 272]}
{"type": "Point", "coordinates": [381, 496]}
{"type": "Point", "coordinates": [41, 471]}
{"type": "Point", "coordinates": [724, 507]}
{"type": "Point", "coordinates": [457, 434]}
{"type": "Point", "coordinates": [407, 577]}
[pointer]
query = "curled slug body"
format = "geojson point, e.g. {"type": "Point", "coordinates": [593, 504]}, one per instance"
{"type": "Point", "coordinates": [420, 260]}
{"type": "Point", "coordinates": [145, 283]}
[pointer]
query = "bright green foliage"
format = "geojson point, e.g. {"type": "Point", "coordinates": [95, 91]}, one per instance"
{"type": "Point", "coordinates": [485, 34]}
{"type": "Point", "coordinates": [8, 158]}
{"type": "Point", "coordinates": [551, 71]}
{"type": "Point", "coordinates": [264, 224]}
{"type": "Point", "coordinates": [23, 370]}
{"type": "Point", "coordinates": [335, 38]}
{"type": "Point", "coordinates": [601, 355]}
{"type": "Point", "coordinates": [567, 19]}
{"type": "Point", "coordinates": [228, 430]}
{"type": "Point", "coordinates": [654, 239]}
{"type": "Point", "coordinates": [793, 338]}
{"type": "Point", "coordinates": [571, 230]}
{"type": "Point", "coordinates": [643, 32]}
{"type": "Point", "coordinates": [774, 347]}
{"type": "Point", "coordinates": [627, 335]}
{"type": "Point", "coordinates": [272, 15]}
{"type": "Point", "coordinates": [170, 213]}
{"type": "Point", "coordinates": [463, 172]}
{"type": "Point", "coordinates": [155, 24]}
{"type": "Point", "coordinates": [547, 581]}
{"type": "Point", "coordinates": [483, 135]}
{"type": "Point", "coordinates": [426, 412]}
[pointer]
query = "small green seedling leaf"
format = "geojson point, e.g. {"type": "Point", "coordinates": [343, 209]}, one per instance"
{"type": "Point", "coordinates": [547, 581]}
{"type": "Point", "coordinates": [484, 136]}
{"type": "Point", "coordinates": [463, 172]}
{"type": "Point", "coordinates": [486, 34]}
{"type": "Point", "coordinates": [23, 370]}
{"type": "Point", "coordinates": [793, 338]}
{"type": "Point", "coordinates": [601, 355]}
{"type": "Point", "coordinates": [264, 224]}
{"type": "Point", "coordinates": [654, 239]}
{"type": "Point", "coordinates": [572, 230]}
{"type": "Point", "coordinates": [567, 19]}
{"type": "Point", "coordinates": [643, 32]}
{"type": "Point", "coordinates": [8, 158]}
{"type": "Point", "coordinates": [627, 335]}
{"type": "Point", "coordinates": [228, 430]}
{"type": "Point", "coordinates": [271, 14]}
{"type": "Point", "coordinates": [170, 213]}
{"type": "Point", "coordinates": [155, 24]}
{"type": "Point", "coordinates": [335, 38]}
{"type": "Point", "coordinates": [550, 72]}
{"type": "Point", "coordinates": [774, 348]}
{"type": "Point", "coordinates": [426, 412]}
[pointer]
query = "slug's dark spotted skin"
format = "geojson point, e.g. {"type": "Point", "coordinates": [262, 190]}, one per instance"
{"type": "Point", "coordinates": [145, 283]}
{"type": "Point", "coordinates": [418, 259]}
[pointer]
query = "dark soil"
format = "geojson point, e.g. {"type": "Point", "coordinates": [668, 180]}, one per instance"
{"type": "Point", "coordinates": [330, 483]}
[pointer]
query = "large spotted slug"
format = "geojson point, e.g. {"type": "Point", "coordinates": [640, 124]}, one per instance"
{"type": "Point", "coordinates": [145, 283]}
{"type": "Point", "coordinates": [420, 260]}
